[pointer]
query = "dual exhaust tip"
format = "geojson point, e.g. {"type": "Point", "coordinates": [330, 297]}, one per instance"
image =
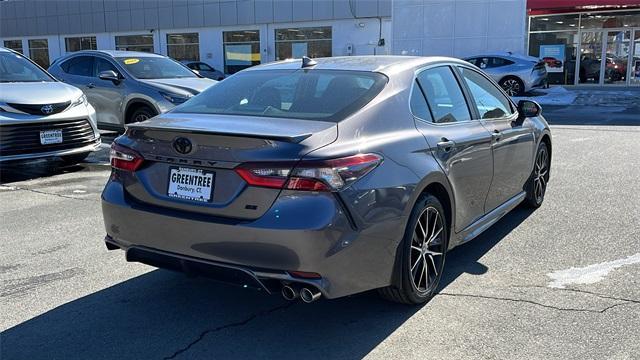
{"type": "Point", "coordinates": [292, 292]}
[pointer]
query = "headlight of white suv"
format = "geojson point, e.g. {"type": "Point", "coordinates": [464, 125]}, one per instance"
{"type": "Point", "coordinates": [81, 100]}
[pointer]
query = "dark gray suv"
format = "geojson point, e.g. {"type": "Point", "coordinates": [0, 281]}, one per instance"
{"type": "Point", "coordinates": [127, 86]}
{"type": "Point", "coordinates": [327, 177]}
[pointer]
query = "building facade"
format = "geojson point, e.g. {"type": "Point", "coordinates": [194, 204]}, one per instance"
{"type": "Point", "coordinates": [582, 41]}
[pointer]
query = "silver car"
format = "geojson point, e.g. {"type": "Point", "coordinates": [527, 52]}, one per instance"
{"type": "Point", "coordinates": [205, 70]}
{"type": "Point", "coordinates": [327, 177]}
{"type": "Point", "coordinates": [516, 74]}
{"type": "Point", "coordinates": [127, 87]}
{"type": "Point", "coordinates": [40, 116]}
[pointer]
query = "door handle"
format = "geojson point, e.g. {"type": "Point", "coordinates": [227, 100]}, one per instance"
{"type": "Point", "coordinates": [446, 145]}
{"type": "Point", "coordinates": [91, 85]}
{"type": "Point", "coordinates": [496, 135]}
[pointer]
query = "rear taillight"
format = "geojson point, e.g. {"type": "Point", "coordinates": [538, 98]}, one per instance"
{"type": "Point", "coordinates": [315, 175]}
{"type": "Point", "coordinates": [124, 158]}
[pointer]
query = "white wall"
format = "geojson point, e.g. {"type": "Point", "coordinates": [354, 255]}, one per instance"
{"type": "Point", "coordinates": [458, 28]}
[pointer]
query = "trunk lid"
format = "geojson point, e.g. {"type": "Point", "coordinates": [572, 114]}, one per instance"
{"type": "Point", "coordinates": [218, 144]}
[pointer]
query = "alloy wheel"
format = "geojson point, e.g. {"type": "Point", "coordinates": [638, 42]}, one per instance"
{"type": "Point", "coordinates": [511, 87]}
{"type": "Point", "coordinates": [541, 175]}
{"type": "Point", "coordinates": [426, 259]}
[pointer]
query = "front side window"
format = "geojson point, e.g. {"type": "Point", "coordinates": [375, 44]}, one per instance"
{"type": "Point", "coordinates": [444, 95]}
{"type": "Point", "coordinates": [79, 66]}
{"type": "Point", "coordinates": [80, 43]}
{"type": "Point", "coordinates": [104, 65]}
{"type": "Point", "coordinates": [241, 50]}
{"type": "Point", "coordinates": [155, 68]}
{"type": "Point", "coordinates": [16, 68]}
{"type": "Point", "coordinates": [14, 45]}
{"type": "Point", "coordinates": [490, 101]}
{"type": "Point", "coordinates": [39, 52]}
{"type": "Point", "coordinates": [183, 46]}
{"type": "Point", "coordinates": [313, 42]}
{"type": "Point", "coordinates": [142, 43]}
{"type": "Point", "coordinates": [326, 95]}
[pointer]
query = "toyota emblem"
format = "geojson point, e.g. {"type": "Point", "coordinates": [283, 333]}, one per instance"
{"type": "Point", "coordinates": [47, 109]}
{"type": "Point", "coordinates": [182, 145]}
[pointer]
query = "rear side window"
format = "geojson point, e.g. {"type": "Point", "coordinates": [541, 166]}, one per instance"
{"type": "Point", "coordinates": [497, 62]}
{"type": "Point", "coordinates": [80, 65]}
{"type": "Point", "coordinates": [419, 106]}
{"type": "Point", "coordinates": [444, 95]}
{"type": "Point", "coordinates": [490, 101]}
{"type": "Point", "coordinates": [327, 95]}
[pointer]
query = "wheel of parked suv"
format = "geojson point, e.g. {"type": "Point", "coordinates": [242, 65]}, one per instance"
{"type": "Point", "coordinates": [141, 114]}
{"type": "Point", "coordinates": [424, 248]}
{"type": "Point", "coordinates": [74, 159]}
{"type": "Point", "coordinates": [512, 86]}
{"type": "Point", "coordinates": [537, 185]}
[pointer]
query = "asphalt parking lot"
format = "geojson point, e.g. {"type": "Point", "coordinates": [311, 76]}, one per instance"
{"type": "Point", "coordinates": [562, 282]}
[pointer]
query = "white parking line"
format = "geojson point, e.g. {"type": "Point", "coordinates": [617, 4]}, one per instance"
{"type": "Point", "coordinates": [588, 274]}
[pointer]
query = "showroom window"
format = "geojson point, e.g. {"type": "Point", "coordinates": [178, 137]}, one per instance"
{"type": "Point", "coordinates": [183, 46]}
{"type": "Point", "coordinates": [80, 43]}
{"type": "Point", "coordinates": [39, 52]}
{"type": "Point", "coordinates": [298, 42]}
{"type": "Point", "coordinates": [241, 50]}
{"type": "Point", "coordinates": [135, 43]}
{"type": "Point", "coordinates": [14, 45]}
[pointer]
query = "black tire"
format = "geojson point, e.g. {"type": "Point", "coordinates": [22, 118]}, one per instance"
{"type": "Point", "coordinates": [536, 186]}
{"type": "Point", "coordinates": [141, 114]}
{"type": "Point", "coordinates": [407, 292]}
{"type": "Point", "coordinates": [74, 159]}
{"type": "Point", "coordinates": [512, 86]}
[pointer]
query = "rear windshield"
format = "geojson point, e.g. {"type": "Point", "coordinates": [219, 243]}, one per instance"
{"type": "Point", "coordinates": [327, 95]}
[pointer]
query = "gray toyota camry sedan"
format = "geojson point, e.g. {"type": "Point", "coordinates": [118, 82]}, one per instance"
{"type": "Point", "coordinates": [326, 177]}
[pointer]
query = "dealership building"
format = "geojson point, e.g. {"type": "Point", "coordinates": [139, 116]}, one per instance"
{"type": "Point", "coordinates": [593, 42]}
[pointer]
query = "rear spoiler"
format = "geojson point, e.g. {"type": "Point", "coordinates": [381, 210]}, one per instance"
{"type": "Point", "coordinates": [294, 138]}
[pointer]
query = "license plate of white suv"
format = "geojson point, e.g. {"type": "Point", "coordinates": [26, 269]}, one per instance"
{"type": "Point", "coordinates": [50, 137]}
{"type": "Point", "coordinates": [190, 184]}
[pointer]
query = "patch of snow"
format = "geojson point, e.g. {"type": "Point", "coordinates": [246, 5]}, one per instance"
{"type": "Point", "coordinates": [555, 95]}
{"type": "Point", "coordinates": [5, 188]}
{"type": "Point", "coordinates": [589, 274]}
{"type": "Point", "coordinates": [79, 191]}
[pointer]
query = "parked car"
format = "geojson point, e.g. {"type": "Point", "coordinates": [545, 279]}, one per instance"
{"type": "Point", "coordinates": [127, 87]}
{"type": "Point", "coordinates": [360, 175]}
{"type": "Point", "coordinates": [205, 70]}
{"type": "Point", "coordinates": [40, 116]}
{"type": "Point", "coordinates": [516, 74]}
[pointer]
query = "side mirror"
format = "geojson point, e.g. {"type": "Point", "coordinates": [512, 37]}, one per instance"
{"type": "Point", "coordinates": [528, 108]}
{"type": "Point", "coordinates": [109, 75]}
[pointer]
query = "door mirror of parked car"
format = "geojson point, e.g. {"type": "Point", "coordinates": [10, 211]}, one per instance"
{"type": "Point", "coordinates": [109, 75]}
{"type": "Point", "coordinates": [528, 108]}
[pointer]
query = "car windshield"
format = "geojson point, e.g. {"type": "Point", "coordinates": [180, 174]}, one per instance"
{"type": "Point", "coordinates": [16, 68]}
{"type": "Point", "coordinates": [155, 68]}
{"type": "Point", "coordinates": [327, 95]}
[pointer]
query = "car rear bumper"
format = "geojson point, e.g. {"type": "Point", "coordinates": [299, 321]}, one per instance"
{"type": "Point", "coordinates": [302, 231]}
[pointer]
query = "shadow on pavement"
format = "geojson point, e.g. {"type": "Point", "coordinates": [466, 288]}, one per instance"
{"type": "Point", "coordinates": [166, 315]}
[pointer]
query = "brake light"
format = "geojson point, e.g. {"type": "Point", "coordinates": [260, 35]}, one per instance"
{"type": "Point", "coordinates": [314, 175]}
{"type": "Point", "coordinates": [124, 158]}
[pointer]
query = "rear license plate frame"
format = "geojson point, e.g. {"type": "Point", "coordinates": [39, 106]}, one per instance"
{"type": "Point", "coordinates": [174, 191]}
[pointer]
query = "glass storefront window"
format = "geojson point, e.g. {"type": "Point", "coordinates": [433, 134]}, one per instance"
{"type": "Point", "coordinates": [183, 46]}
{"type": "Point", "coordinates": [610, 20]}
{"type": "Point", "coordinates": [298, 42]}
{"type": "Point", "coordinates": [14, 45]}
{"type": "Point", "coordinates": [135, 43]}
{"type": "Point", "coordinates": [241, 50]}
{"type": "Point", "coordinates": [590, 57]}
{"type": "Point", "coordinates": [80, 43]}
{"type": "Point", "coordinates": [617, 57]}
{"type": "Point", "coordinates": [39, 52]}
{"type": "Point", "coordinates": [555, 22]}
{"type": "Point", "coordinates": [564, 72]}
{"type": "Point", "coordinates": [635, 60]}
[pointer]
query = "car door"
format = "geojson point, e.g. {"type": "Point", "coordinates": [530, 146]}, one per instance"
{"type": "Point", "coordinates": [106, 96]}
{"type": "Point", "coordinates": [512, 139]}
{"type": "Point", "coordinates": [461, 145]}
{"type": "Point", "coordinates": [78, 71]}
